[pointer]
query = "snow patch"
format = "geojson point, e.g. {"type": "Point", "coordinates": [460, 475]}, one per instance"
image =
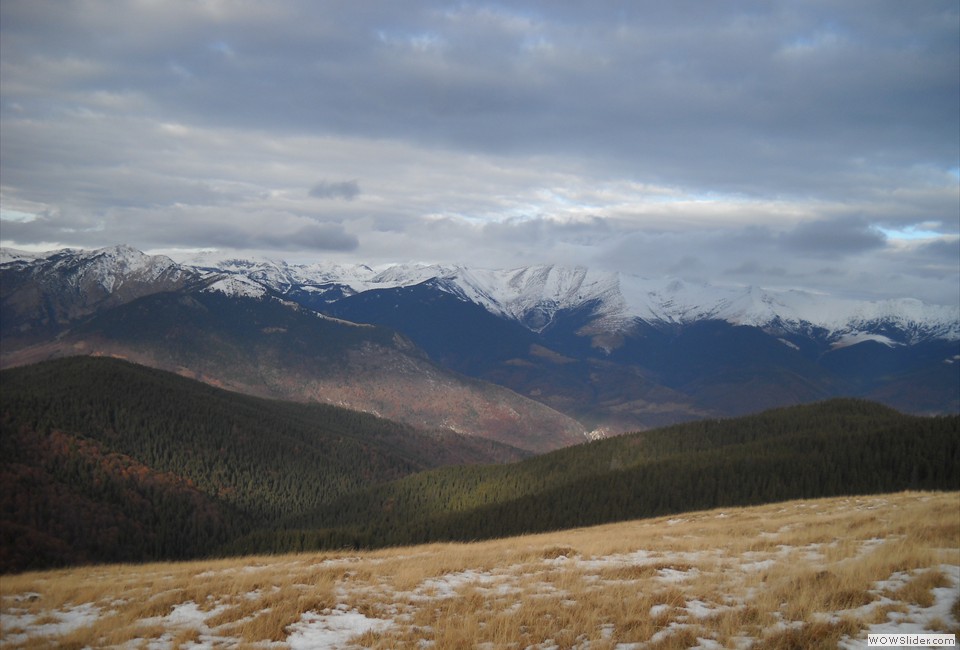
{"type": "Point", "coordinates": [701, 609]}
{"type": "Point", "coordinates": [66, 621]}
{"type": "Point", "coordinates": [446, 586]}
{"type": "Point", "coordinates": [916, 619]}
{"type": "Point", "coordinates": [657, 610]}
{"type": "Point", "coordinates": [855, 338]}
{"type": "Point", "coordinates": [760, 565]}
{"type": "Point", "coordinates": [674, 575]}
{"type": "Point", "coordinates": [332, 628]}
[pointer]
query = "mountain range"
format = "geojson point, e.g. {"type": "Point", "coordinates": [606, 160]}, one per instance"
{"type": "Point", "coordinates": [539, 357]}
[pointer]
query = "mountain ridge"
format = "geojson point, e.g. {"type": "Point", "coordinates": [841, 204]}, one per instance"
{"type": "Point", "coordinates": [520, 293]}
{"type": "Point", "coordinates": [610, 352]}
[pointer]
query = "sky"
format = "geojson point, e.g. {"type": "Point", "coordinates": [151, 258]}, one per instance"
{"type": "Point", "coordinates": [783, 144]}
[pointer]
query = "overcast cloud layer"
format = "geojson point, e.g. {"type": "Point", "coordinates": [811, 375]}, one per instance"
{"type": "Point", "coordinates": [784, 144]}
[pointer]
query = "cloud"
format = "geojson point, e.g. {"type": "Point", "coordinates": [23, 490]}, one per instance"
{"type": "Point", "coordinates": [308, 237]}
{"type": "Point", "coordinates": [211, 227]}
{"type": "Point", "coordinates": [941, 250]}
{"type": "Point", "coordinates": [347, 190]}
{"type": "Point", "coordinates": [754, 142]}
{"type": "Point", "coordinates": [830, 238]}
{"type": "Point", "coordinates": [753, 269]}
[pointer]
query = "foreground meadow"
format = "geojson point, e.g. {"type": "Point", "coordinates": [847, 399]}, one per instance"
{"type": "Point", "coordinates": [802, 574]}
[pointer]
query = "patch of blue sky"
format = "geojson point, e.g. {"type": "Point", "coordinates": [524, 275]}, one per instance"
{"type": "Point", "coordinates": [16, 215]}
{"type": "Point", "coordinates": [909, 233]}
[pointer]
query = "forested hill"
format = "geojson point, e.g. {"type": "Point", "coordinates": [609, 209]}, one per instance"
{"type": "Point", "coordinates": [830, 448]}
{"type": "Point", "coordinates": [104, 460]}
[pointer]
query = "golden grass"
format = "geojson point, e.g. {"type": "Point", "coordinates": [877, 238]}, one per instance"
{"type": "Point", "coordinates": [809, 636]}
{"type": "Point", "coordinates": [802, 574]}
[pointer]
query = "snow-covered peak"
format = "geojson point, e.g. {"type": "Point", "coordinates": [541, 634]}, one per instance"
{"type": "Point", "coordinates": [280, 277]}
{"type": "Point", "coordinates": [534, 295]}
{"type": "Point", "coordinates": [674, 301]}
{"type": "Point", "coordinates": [109, 268]}
{"type": "Point", "coordinates": [112, 267]}
{"type": "Point", "coordinates": [8, 255]}
{"type": "Point", "coordinates": [237, 285]}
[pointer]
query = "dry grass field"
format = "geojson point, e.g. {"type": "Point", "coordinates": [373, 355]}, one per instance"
{"type": "Point", "coordinates": [801, 574]}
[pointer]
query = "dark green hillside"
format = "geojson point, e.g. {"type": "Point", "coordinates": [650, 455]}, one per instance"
{"type": "Point", "coordinates": [86, 438]}
{"type": "Point", "coordinates": [830, 448]}
{"type": "Point", "coordinates": [104, 460]}
{"type": "Point", "coordinates": [65, 499]}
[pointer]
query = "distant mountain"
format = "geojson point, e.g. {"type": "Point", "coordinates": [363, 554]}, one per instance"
{"type": "Point", "coordinates": [41, 295]}
{"type": "Point", "coordinates": [620, 352]}
{"type": "Point", "coordinates": [535, 296]}
{"type": "Point", "coordinates": [104, 460]}
{"type": "Point", "coordinates": [611, 352]}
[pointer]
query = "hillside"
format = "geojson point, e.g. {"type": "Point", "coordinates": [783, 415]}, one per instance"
{"type": "Point", "coordinates": [800, 574]}
{"type": "Point", "coordinates": [825, 449]}
{"type": "Point", "coordinates": [106, 460]}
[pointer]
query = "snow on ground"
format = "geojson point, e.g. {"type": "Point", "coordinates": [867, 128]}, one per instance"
{"type": "Point", "coordinates": [63, 622]}
{"type": "Point", "coordinates": [916, 619]}
{"type": "Point", "coordinates": [338, 627]}
{"type": "Point", "coordinates": [449, 585]}
{"type": "Point", "coordinates": [370, 604]}
{"type": "Point", "coordinates": [185, 616]}
{"type": "Point", "coordinates": [675, 575]}
{"type": "Point", "coordinates": [332, 629]}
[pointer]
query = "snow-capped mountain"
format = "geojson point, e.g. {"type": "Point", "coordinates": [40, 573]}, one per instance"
{"type": "Point", "coordinates": [614, 351]}
{"type": "Point", "coordinates": [109, 268]}
{"type": "Point", "coordinates": [530, 295]}
{"type": "Point", "coordinates": [43, 292]}
{"type": "Point", "coordinates": [534, 295]}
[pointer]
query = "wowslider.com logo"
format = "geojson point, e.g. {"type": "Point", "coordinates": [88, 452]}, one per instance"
{"type": "Point", "coordinates": [911, 640]}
